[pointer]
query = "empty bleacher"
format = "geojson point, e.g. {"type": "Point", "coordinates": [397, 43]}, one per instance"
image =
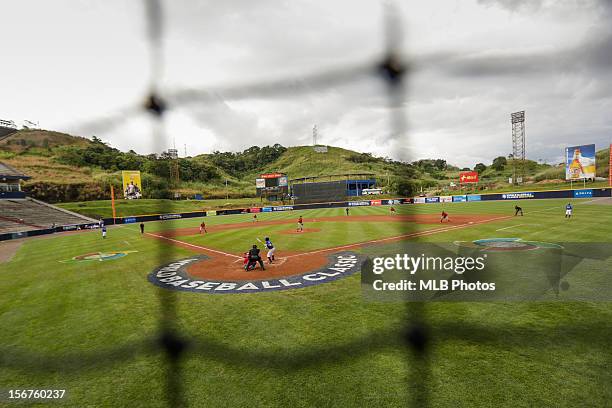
{"type": "Point", "coordinates": [21, 215]}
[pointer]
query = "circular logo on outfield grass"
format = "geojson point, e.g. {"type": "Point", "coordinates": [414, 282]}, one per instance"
{"type": "Point", "coordinates": [174, 276]}
{"type": "Point", "coordinates": [507, 244]}
{"type": "Point", "coordinates": [99, 256]}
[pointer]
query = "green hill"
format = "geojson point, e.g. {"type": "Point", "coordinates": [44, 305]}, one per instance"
{"type": "Point", "coordinates": [67, 168]}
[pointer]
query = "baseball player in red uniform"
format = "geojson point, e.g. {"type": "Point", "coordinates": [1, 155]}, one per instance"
{"type": "Point", "coordinates": [444, 216]}
{"type": "Point", "coordinates": [300, 226]}
{"type": "Point", "coordinates": [203, 227]}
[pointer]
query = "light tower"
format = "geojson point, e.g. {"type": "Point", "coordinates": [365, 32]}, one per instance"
{"type": "Point", "coordinates": [314, 135]}
{"type": "Point", "coordinates": [174, 167]}
{"type": "Point", "coordinates": [518, 146]}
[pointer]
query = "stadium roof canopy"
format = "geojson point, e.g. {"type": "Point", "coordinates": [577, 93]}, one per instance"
{"type": "Point", "coordinates": [9, 173]}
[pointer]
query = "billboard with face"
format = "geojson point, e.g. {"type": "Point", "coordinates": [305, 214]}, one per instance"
{"type": "Point", "coordinates": [132, 185]}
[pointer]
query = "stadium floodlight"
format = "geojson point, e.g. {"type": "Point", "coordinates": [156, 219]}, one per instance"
{"type": "Point", "coordinates": [518, 146]}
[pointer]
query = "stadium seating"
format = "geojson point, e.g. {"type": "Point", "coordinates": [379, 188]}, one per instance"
{"type": "Point", "coordinates": [21, 215]}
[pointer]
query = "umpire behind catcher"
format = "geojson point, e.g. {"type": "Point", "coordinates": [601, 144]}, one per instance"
{"type": "Point", "coordinates": [255, 257]}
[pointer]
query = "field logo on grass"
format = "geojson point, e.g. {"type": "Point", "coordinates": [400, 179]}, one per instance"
{"type": "Point", "coordinates": [99, 256]}
{"type": "Point", "coordinates": [507, 244]}
{"type": "Point", "coordinates": [175, 276]}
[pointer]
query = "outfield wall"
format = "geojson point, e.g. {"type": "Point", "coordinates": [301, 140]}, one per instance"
{"type": "Point", "coordinates": [520, 195]}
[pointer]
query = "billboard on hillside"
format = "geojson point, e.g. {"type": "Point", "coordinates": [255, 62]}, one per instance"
{"type": "Point", "coordinates": [580, 162]}
{"type": "Point", "coordinates": [468, 177]}
{"type": "Point", "coordinates": [132, 185]}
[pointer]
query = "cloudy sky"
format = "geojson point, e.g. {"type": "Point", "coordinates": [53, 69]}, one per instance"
{"type": "Point", "coordinates": [68, 64]}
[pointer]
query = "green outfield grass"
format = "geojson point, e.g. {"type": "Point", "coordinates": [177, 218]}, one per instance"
{"type": "Point", "coordinates": [125, 208]}
{"type": "Point", "coordinates": [322, 346]}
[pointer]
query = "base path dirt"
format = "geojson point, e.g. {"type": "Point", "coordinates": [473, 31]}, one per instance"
{"type": "Point", "coordinates": [8, 249]}
{"type": "Point", "coordinates": [304, 231]}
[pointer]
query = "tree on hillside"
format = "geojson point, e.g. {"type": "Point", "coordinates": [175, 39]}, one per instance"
{"type": "Point", "coordinates": [254, 157]}
{"type": "Point", "coordinates": [406, 188]}
{"type": "Point", "coordinates": [440, 164]}
{"type": "Point", "coordinates": [480, 167]}
{"type": "Point", "coordinates": [499, 163]}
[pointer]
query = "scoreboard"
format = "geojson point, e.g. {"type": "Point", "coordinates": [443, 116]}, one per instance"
{"type": "Point", "coordinates": [272, 186]}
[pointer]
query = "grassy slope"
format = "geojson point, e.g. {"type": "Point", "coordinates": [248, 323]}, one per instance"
{"type": "Point", "coordinates": [303, 161]}
{"type": "Point", "coordinates": [273, 349]}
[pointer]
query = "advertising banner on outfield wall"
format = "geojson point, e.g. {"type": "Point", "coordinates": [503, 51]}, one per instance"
{"type": "Point", "coordinates": [375, 202]}
{"type": "Point", "coordinates": [474, 198]}
{"type": "Point", "coordinates": [419, 200]}
{"type": "Point", "coordinates": [580, 162]}
{"type": "Point", "coordinates": [459, 198]}
{"type": "Point", "coordinates": [518, 196]}
{"type": "Point", "coordinates": [283, 208]}
{"type": "Point", "coordinates": [432, 199]}
{"type": "Point", "coordinates": [468, 177]}
{"type": "Point", "coordinates": [587, 193]}
{"type": "Point", "coordinates": [446, 199]}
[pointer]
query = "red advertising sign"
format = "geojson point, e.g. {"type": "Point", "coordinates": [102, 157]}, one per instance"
{"type": "Point", "coordinates": [254, 210]}
{"type": "Point", "coordinates": [272, 175]}
{"type": "Point", "coordinates": [468, 177]}
{"type": "Point", "coordinates": [375, 202]}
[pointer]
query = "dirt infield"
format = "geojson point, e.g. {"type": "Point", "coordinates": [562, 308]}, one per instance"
{"type": "Point", "coordinates": [224, 266]}
{"type": "Point", "coordinates": [414, 218]}
{"type": "Point", "coordinates": [305, 231]}
{"type": "Point", "coordinates": [600, 201]}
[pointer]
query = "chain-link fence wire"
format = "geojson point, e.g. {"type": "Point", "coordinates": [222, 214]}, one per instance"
{"type": "Point", "coordinates": [416, 335]}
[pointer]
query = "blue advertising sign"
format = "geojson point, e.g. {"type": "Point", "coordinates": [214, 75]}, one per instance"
{"type": "Point", "coordinates": [459, 199]}
{"type": "Point", "coordinates": [432, 199]}
{"type": "Point", "coordinates": [129, 220]}
{"type": "Point", "coordinates": [266, 209]}
{"type": "Point", "coordinates": [474, 198]}
{"type": "Point", "coordinates": [588, 193]}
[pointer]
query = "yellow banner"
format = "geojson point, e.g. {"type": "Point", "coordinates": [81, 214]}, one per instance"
{"type": "Point", "coordinates": [132, 186]}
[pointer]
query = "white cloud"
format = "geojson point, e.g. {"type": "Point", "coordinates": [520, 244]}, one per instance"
{"type": "Point", "coordinates": [474, 63]}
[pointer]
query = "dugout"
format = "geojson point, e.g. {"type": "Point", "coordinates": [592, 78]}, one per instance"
{"type": "Point", "coordinates": [335, 187]}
